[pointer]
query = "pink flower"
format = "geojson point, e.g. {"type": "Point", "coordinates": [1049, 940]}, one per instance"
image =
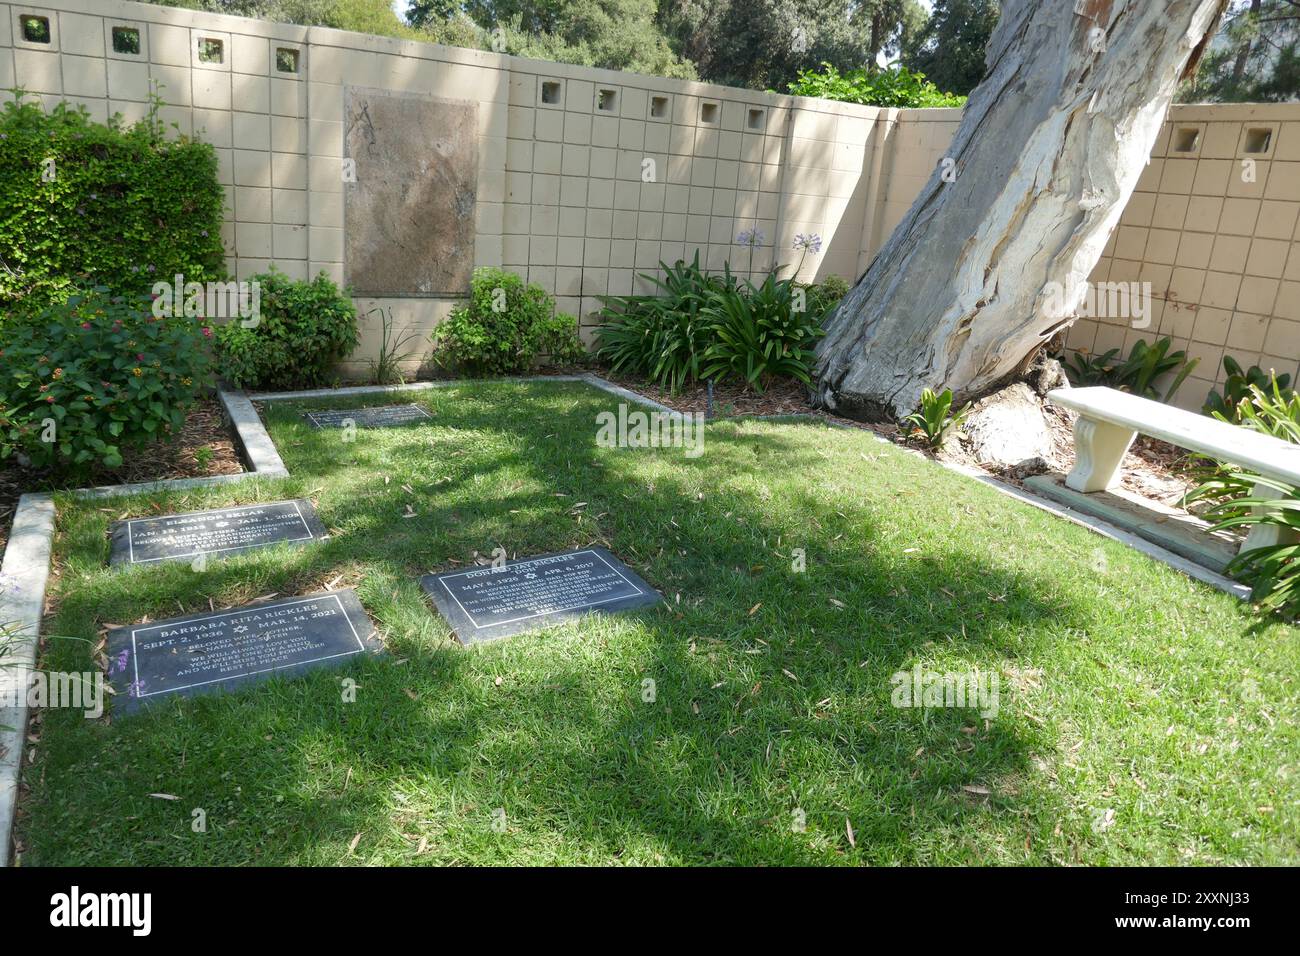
{"type": "Point", "coordinates": [85, 325]}
{"type": "Point", "coordinates": [207, 332]}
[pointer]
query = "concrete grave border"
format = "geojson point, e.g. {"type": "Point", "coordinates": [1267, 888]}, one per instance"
{"type": "Point", "coordinates": [26, 566]}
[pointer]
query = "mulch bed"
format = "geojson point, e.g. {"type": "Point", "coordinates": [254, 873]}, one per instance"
{"type": "Point", "coordinates": [205, 427]}
{"type": "Point", "coordinates": [1152, 468]}
{"type": "Point", "coordinates": [730, 400]}
{"type": "Point", "coordinates": [781, 398]}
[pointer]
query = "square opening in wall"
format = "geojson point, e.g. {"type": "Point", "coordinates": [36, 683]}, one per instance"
{"type": "Point", "coordinates": [607, 101]}
{"type": "Point", "coordinates": [286, 60]}
{"type": "Point", "coordinates": [755, 120]}
{"type": "Point", "coordinates": [35, 29]}
{"type": "Point", "coordinates": [551, 92]}
{"type": "Point", "coordinates": [126, 40]}
{"type": "Point", "coordinates": [709, 114]}
{"type": "Point", "coordinates": [658, 106]}
{"type": "Point", "coordinates": [1186, 138]}
{"type": "Point", "coordinates": [211, 50]}
{"type": "Point", "coordinates": [1258, 140]}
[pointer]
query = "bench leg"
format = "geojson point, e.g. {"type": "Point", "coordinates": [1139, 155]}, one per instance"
{"type": "Point", "coordinates": [1099, 448]}
{"type": "Point", "coordinates": [1267, 535]}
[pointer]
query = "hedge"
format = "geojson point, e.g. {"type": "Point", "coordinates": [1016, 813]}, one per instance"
{"type": "Point", "coordinates": [86, 204]}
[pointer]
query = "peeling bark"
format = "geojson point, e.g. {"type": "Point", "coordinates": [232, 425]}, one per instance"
{"type": "Point", "coordinates": [1050, 147]}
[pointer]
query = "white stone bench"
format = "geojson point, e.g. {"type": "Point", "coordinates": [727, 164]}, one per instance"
{"type": "Point", "coordinates": [1109, 420]}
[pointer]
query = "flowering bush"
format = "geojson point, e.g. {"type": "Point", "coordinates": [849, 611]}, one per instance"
{"type": "Point", "coordinates": [82, 380]}
{"type": "Point", "coordinates": [759, 333]}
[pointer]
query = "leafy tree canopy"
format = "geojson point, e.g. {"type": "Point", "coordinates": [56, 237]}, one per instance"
{"type": "Point", "coordinates": [770, 44]}
{"type": "Point", "coordinates": [764, 44]}
{"type": "Point", "coordinates": [950, 48]}
{"type": "Point", "coordinates": [1254, 58]}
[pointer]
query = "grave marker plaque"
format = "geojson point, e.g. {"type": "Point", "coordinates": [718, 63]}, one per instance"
{"type": "Point", "coordinates": [224, 650]}
{"type": "Point", "coordinates": [375, 416]}
{"type": "Point", "coordinates": [220, 532]}
{"type": "Point", "coordinates": [486, 603]}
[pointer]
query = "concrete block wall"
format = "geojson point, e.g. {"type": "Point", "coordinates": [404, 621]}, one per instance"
{"type": "Point", "coordinates": [1212, 227]}
{"type": "Point", "coordinates": [589, 178]}
{"type": "Point", "coordinates": [586, 178]}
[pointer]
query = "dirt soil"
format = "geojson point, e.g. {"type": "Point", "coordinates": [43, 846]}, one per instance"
{"type": "Point", "coordinates": [205, 427]}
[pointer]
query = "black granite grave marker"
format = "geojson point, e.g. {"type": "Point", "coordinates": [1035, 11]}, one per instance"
{"type": "Point", "coordinates": [223, 650]}
{"type": "Point", "coordinates": [220, 532]}
{"type": "Point", "coordinates": [527, 594]}
{"type": "Point", "coordinates": [380, 416]}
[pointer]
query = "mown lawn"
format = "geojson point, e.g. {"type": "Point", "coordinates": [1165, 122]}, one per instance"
{"type": "Point", "coordinates": [1144, 718]}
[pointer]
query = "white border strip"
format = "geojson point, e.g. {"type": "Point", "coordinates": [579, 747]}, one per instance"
{"type": "Point", "coordinates": [26, 569]}
{"type": "Point", "coordinates": [590, 379]}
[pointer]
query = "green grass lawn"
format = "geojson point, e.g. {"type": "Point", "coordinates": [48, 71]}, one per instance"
{"type": "Point", "coordinates": [1144, 718]}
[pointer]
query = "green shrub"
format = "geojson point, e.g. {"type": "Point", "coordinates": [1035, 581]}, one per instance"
{"type": "Point", "coordinates": [935, 419]}
{"type": "Point", "coordinates": [1273, 573]}
{"type": "Point", "coordinates": [1275, 412]}
{"type": "Point", "coordinates": [1085, 369]}
{"type": "Point", "coordinates": [662, 337]}
{"type": "Point", "coordinates": [1137, 373]}
{"type": "Point", "coordinates": [504, 328]}
{"type": "Point", "coordinates": [894, 86]}
{"type": "Point", "coordinates": [1238, 385]}
{"type": "Point", "coordinates": [82, 380]}
{"type": "Point", "coordinates": [758, 335]}
{"type": "Point", "coordinates": [386, 367]}
{"type": "Point", "coordinates": [715, 326]}
{"type": "Point", "coordinates": [303, 331]}
{"type": "Point", "coordinates": [824, 296]}
{"type": "Point", "coordinates": [84, 204]}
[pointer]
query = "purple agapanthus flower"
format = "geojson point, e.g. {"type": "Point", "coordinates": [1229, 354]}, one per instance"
{"type": "Point", "coordinates": [119, 665]}
{"type": "Point", "coordinates": [750, 237]}
{"type": "Point", "coordinates": [809, 242]}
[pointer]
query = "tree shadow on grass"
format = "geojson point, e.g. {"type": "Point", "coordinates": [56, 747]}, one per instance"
{"type": "Point", "coordinates": [771, 689]}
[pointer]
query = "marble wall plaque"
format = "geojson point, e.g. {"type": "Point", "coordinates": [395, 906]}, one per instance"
{"type": "Point", "coordinates": [409, 223]}
{"type": "Point", "coordinates": [224, 650]}
{"type": "Point", "coordinates": [485, 603]}
{"type": "Point", "coordinates": [217, 532]}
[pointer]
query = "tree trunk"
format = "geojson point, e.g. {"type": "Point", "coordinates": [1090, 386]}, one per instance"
{"type": "Point", "coordinates": [1243, 52]}
{"type": "Point", "coordinates": [1049, 149]}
